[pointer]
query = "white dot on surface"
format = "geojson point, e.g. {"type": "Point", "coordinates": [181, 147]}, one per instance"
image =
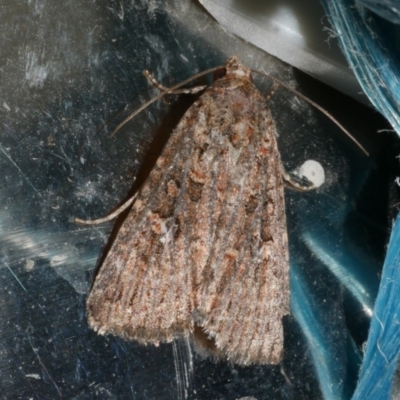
{"type": "Point", "coordinates": [29, 264]}
{"type": "Point", "coordinates": [313, 171]}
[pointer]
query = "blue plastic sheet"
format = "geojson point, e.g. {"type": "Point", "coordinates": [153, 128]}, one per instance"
{"type": "Point", "coordinates": [369, 44]}
{"type": "Point", "coordinates": [368, 32]}
{"type": "Point", "coordinates": [383, 346]}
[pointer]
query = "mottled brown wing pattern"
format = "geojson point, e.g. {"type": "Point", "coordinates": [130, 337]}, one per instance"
{"type": "Point", "coordinates": [207, 238]}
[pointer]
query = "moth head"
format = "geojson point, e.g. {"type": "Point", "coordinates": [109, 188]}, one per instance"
{"type": "Point", "coordinates": [234, 67]}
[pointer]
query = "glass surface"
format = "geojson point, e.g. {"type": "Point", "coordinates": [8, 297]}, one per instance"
{"type": "Point", "coordinates": [67, 68]}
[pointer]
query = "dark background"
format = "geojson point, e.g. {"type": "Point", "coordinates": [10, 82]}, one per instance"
{"type": "Point", "coordinates": [67, 69]}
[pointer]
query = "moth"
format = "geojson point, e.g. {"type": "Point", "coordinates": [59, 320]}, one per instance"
{"type": "Point", "coordinates": [203, 252]}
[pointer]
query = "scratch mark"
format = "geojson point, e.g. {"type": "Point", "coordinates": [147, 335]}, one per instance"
{"type": "Point", "coordinates": [43, 366]}
{"type": "Point", "coordinates": [15, 276]}
{"type": "Point", "coordinates": [92, 31]}
{"type": "Point", "coordinates": [56, 155]}
{"type": "Point", "coordinates": [20, 170]}
{"type": "Point", "coordinates": [48, 114]}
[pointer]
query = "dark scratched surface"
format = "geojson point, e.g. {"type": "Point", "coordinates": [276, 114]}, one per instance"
{"type": "Point", "coordinates": [66, 69]}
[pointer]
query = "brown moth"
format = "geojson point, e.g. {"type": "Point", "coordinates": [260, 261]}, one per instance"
{"type": "Point", "coordinates": [204, 250]}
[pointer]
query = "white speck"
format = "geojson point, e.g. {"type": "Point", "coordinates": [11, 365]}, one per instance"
{"type": "Point", "coordinates": [6, 106]}
{"type": "Point", "coordinates": [35, 71]}
{"type": "Point", "coordinates": [313, 171]}
{"type": "Point", "coordinates": [83, 160]}
{"type": "Point", "coordinates": [29, 264]}
{"type": "Point", "coordinates": [247, 398]}
{"type": "Point", "coordinates": [58, 260]}
{"type": "Point", "coordinates": [88, 190]}
{"type": "Point", "coordinates": [34, 376]}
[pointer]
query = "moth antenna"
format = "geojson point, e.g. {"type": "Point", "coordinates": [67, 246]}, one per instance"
{"type": "Point", "coordinates": [109, 217]}
{"type": "Point", "coordinates": [168, 90]}
{"type": "Point", "coordinates": [163, 88]}
{"type": "Point", "coordinates": [317, 106]}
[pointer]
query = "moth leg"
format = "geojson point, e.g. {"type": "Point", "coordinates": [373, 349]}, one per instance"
{"type": "Point", "coordinates": [109, 217]}
{"type": "Point", "coordinates": [300, 183]}
{"type": "Point", "coordinates": [193, 90]}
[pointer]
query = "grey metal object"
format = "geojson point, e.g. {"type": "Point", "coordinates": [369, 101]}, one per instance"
{"type": "Point", "coordinates": [296, 32]}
